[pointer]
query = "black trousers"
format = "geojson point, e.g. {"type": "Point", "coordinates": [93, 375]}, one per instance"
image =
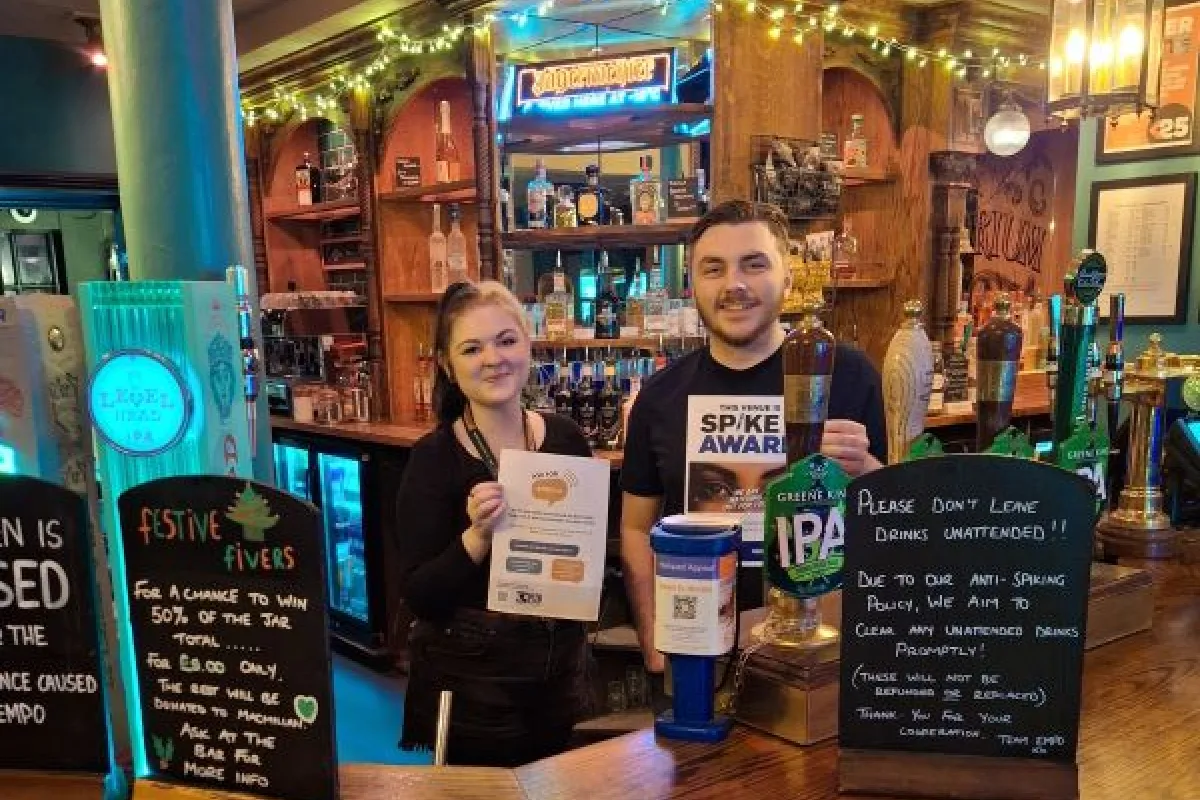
{"type": "Point", "coordinates": [518, 685]}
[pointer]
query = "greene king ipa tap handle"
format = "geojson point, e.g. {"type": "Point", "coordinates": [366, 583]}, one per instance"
{"type": "Point", "coordinates": [1054, 312]}
{"type": "Point", "coordinates": [807, 372]}
{"type": "Point", "coordinates": [998, 354]}
{"type": "Point", "coordinates": [1084, 285]}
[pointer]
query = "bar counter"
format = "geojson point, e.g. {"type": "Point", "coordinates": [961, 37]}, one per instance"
{"type": "Point", "coordinates": [1139, 738]}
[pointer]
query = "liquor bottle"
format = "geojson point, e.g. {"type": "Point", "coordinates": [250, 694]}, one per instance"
{"type": "Point", "coordinates": [537, 197]}
{"type": "Point", "coordinates": [508, 270]}
{"type": "Point", "coordinates": [456, 248]}
{"type": "Point", "coordinates": [937, 391]}
{"type": "Point", "coordinates": [845, 252]}
{"type": "Point", "coordinates": [645, 195]}
{"type": "Point", "coordinates": [308, 182]}
{"type": "Point", "coordinates": [608, 304]}
{"type": "Point", "coordinates": [439, 276]}
{"type": "Point", "coordinates": [591, 204]}
{"type": "Point", "coordinates": [559, 306]}
{"type": "Point", "coordinates": [998, 349]}
{"type": "Point", "coordinates": [635, 299]}
{"type": "Point", "coordinates": [854, 148]}
{"type": "Point", "coordinates": [565, 215]}
{"type": "Point", "coordinates": [446, 158]}
{"type": "Point", "coordinates": [654, 308]}
{"type": "Point", "coordinates": [506, 209]}
{"type": "Point", "coordinates": [702, 190]}
{"type": "Point", "coordinates": [563, 399]}
{"type": "Point", "coordinates": [907, 382]}
{"type": "Point", "coordinates": [609, 407]}
{"type": "Point", "coordinates": [808, 354]}
{"type": "Point", "coordinates": [585, 404]}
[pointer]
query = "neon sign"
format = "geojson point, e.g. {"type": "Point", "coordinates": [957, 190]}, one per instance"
{"type": "Point", "coordinates": [594, 84]}
{"type": "Point", "coordinates": [139, 402]}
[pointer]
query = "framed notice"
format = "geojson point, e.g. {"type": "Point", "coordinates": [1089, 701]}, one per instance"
{"type": "Point", "coordinates": [1170, 130]}
{"type": "Point", "coordinates": [1143, 227]}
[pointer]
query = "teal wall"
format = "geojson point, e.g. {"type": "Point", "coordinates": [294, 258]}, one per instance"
{"type": "Point", "coordinates": [54, 112]}
{"type": "Point", "coordinates": [1183, 338]}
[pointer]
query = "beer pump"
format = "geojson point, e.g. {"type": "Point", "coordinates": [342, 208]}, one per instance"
{"type": "Point", "coordinates": [1054, 312]}
{"type": "Point", "coordinates": [998, 356]}
{"type": "Point", "coordinates": [1114, 367]}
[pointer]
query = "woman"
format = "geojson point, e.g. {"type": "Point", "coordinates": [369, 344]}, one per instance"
{"type": "Point", "coordinates": [517, 681]}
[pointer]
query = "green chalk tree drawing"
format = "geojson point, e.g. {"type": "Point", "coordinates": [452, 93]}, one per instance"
{"type": "Point", "coordinates": [250, 510]}
{"type": "Point", "coordinates": [165, 750]}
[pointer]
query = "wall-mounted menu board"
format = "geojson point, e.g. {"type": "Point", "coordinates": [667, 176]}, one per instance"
{"type": "Point", "coordinates": [51, 692]}
{"type": "Point", "coordinates": [228, 615]}
{"type": "Point", "coordinates": [964, 608]}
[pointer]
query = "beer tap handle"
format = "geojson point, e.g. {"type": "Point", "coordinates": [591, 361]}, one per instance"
{"type": "Point", "coordinates": [1114, 361]}
{"type": "Point", "coordinates": [1054, 312]}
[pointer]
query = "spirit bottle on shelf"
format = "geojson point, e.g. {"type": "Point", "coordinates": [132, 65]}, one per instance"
{"type": "Point", "coordinates": [591, 204]}
{"type": "Point", "coordinates": [559, 306]}
{"type": "Point", "coordinates": [446, 158]}
{"type": "Point", "coordinates": [308, 182]}
{"type": "Point", "coordinates": [609, 407]}
{"type": "Point", "coordinates": [563, 398]}
{"type": "Point", "coordinates": [702, 190]}
{"type": "Point", "coordinates": [845, 252]}
{"type": "Point", "coordinates": [538, 193]}
{"type": "Point", "coordinates": [456, 248]}
{"type": "Point", "coordinates": [654, 308]}
{"type": "Point", "coordinates": [438, 270]}
{"type": "Point", "coordinates": [585, 404]}
{"type": "Point", "coordinates": [854, 149]}
{"type": "Point", "coordinates": [608, 304]}
{"type": "Point", "coordinates": [635, 299]}
{"type": "Point", "coordinates": [646, 195]}
{"type": "Point", "coordinates": [564, 208]}
{"type": "Point", "coordinates": [506, 209]}
{"type": "Point", "coordinates": [423, 384]}
{"type": "Point", "coordinates": [508, 270]}
{"type": "Point", "coordinates": [937, 392]}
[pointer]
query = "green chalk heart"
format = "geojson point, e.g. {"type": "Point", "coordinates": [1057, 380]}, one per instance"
{"type": "Point", "coordinates": [306, 708]}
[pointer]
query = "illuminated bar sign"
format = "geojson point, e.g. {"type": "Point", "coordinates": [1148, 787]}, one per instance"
{"type": "Point", "coordinates": [592, 84]}
{"type": "Point", "coordinates": [139, 402]}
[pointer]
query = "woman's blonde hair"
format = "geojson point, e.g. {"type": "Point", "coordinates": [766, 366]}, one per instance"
{"type": "Point", "coordinates": [448, 399]}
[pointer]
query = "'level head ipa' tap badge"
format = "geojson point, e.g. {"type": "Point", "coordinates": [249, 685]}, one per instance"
{"type": "Point", "coordinates": [139, 402]}
{"type": "Point", "coordinates": [805, 529]}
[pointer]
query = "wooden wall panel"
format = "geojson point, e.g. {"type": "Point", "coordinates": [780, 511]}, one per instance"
{"type": "Point", "coordinates": [412, 132]}
{"type": "Point", "coordinates": [761, 87]}
{"type": "Point", "coordinates": [293, 249]}
{"type": "Point", "coordinates": [406, 327]}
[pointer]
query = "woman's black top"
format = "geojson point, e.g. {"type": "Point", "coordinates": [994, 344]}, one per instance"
{"type": "Point", "coordinates": [437, 575]}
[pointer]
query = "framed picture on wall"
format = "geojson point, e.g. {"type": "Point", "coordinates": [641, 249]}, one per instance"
{"type": "Point", "coordinates": [967, 120]}
{"type": "Point", "coordinates": [1171, 129]}
{"type": "Point", "coordinates": [1143, 227]}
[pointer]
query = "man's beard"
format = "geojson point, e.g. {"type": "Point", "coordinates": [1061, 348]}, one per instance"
{"type": "Point", "coordinates": [768, 323]}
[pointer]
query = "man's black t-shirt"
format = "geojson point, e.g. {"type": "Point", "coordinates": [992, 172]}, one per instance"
{"type": "Point", "coordinates": [654, 464]}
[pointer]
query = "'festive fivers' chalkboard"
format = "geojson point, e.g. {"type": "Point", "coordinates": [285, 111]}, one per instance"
{"type": "Point", "coordinates": [228, 613]}
{"type": "Point", "coordinates": [51, 691]}
{"type": "Point", "coordinates": [964, 608]}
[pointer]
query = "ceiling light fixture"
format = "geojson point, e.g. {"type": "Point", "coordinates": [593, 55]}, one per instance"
{"type": "Point", "coordinates": [1007, 132]}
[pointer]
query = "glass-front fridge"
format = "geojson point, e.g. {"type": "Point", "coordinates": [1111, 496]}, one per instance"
{"type": "Point", "coordinates": [340, 479]}
{"type": "Point", "coordinates": [291, 469]}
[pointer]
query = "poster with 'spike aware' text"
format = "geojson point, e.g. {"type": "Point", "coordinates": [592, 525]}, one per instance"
{"type": "Point", "coordinates": [735, 447]}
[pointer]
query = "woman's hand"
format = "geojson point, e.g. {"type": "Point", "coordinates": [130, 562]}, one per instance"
{"type": "Point", "coordinates": [485, 508]}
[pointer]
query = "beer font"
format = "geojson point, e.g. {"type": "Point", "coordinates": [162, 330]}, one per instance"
{"type": "Point", "coordinates": [998, 354]}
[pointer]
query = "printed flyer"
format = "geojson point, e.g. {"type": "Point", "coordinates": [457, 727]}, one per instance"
{"type": "Point", "coordinates": [735, 447]}
{"type": "Point", "coordinates": [548, 555]}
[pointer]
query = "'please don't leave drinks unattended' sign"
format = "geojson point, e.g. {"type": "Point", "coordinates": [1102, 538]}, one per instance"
{"type": "Point", "coordinates": [964, 611]}
{"type": "Point", "coordinates": [228, 613]}
{"type": "Point", "coordinates": [52, 714]}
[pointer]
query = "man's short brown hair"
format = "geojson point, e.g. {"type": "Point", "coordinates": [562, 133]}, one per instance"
{"type": "Point", "coordinates": [737, 212]}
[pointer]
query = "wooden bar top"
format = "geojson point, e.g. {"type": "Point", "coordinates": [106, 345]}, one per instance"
{"type": "Point", "coordinates": [1139, 738]}
{"type": "Point", "coordinates": [1031, 399]}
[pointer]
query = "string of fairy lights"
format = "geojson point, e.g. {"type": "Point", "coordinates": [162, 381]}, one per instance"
{"type": "Point", "coordinates": [790, 21]}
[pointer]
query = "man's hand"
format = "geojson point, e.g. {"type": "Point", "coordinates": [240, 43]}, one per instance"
{"type": "Point", "coordinates": [846, 442]}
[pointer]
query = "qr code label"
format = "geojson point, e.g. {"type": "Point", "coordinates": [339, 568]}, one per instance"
{"type": "Point", "coordinates": [685, 606]}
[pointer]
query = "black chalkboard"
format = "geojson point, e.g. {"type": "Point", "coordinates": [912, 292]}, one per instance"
{"type": "Point", "coordinates": [51, 688]}
{"type": "Point", "coordinates": [957, 378]}
{"type": "Point", "coordinates": [229, 615]}
{"type": "Point", "coordinates": [681, 199]}
{"type": "Point", "coordinates": [408, 172]}
{"type": "Point", "coordinates": [964, 608]}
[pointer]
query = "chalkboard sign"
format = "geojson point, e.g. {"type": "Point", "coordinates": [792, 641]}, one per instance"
{"type": "Point", "coordinates": [681, 199]}
{"type": "Point", "coordinates": [964, 608]}
{"type": "Point", "coordinates": [956, 377]}
{"type": "Point", "coordinates": [408, 172]}
{"type": "Point", "coordinates": [228, 612]}
{"type": "Point", "coordinates": [51, 689]}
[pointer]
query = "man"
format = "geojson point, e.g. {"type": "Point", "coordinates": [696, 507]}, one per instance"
{"type": "Point", "coordinates": [738, 256]}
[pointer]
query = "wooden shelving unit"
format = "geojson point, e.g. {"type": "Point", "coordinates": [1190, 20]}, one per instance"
{"type": "Point", "coordinates": [867, 177]}
{"type": "Point", "coordinates": [342, 239]}
{"type": "Point", "coordinates": [348, 267]}
{"type": "Point", "coordinates": [318, 212]}
{"type": "Point", "coordinates": [597, 237]}
{"type": "Point", "coordinates": [457, 192]}
{"type": "Point", "coordinates": [637, 129]}
{"type": "Point", "coordinates": [640, 342]}
{"type": "Point", "coordinates": [424, 298]}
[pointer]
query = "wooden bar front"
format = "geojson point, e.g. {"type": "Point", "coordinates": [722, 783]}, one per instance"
{"type": "Point", "coordinates": [1139, 738]}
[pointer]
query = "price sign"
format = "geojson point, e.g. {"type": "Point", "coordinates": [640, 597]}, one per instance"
{"type": "Point", "coordinates": [681, 199]}
{"type": "Point", "coordinates": [408, 172]}
{"type": "Point", "coordinates": [139, 402]}
{"type": "Point", "coordinates": [228, 614]}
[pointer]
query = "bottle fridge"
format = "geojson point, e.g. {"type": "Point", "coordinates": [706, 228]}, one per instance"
{"type": "Point", "coordinates": [341, 479]}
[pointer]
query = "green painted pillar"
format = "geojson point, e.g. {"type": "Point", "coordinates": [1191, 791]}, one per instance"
{"type": "Point", "coordinates": [173, 84]}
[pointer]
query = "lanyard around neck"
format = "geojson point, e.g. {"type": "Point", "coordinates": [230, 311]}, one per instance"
{"type": "Point", "coordinates": [485, 451]}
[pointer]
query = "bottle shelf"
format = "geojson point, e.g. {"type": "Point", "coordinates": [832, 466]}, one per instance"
{"type": "Point", "coordinates": [413, 297]}
{"type": "Point", "coordinates": [349, 267]}
{"type": "Point", "coordinates": [318, 212]}
{"type": "Point", "coordinates": [596, 237]}
{"type": "Point", "coordinates": [342, 239]}
{"type": "Point", "coordinates": [638, 342]}
{"type": "Point", "coordinates": [867, 177]}
{"type": "Point", "coordinates": [455, 192]}
{"type": "Point", "coordinates": [635, 128]}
